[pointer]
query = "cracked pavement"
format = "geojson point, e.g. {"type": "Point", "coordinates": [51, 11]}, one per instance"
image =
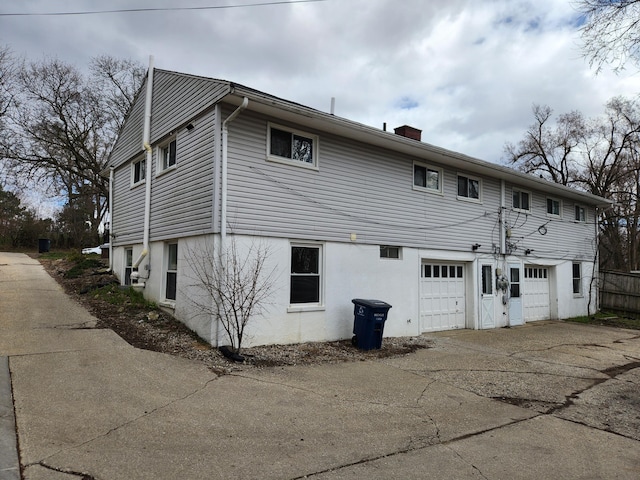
{"type": "Point", "coordinates": [546, 400]}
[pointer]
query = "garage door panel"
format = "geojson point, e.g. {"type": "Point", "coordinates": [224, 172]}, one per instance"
{"type": "Point", "coordinates": [442, 297]}
{"type": "Point", "coordinates": [536, 294]}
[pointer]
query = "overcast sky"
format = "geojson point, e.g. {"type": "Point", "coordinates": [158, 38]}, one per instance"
{"type": "Point", "coordinates": [465, 72]}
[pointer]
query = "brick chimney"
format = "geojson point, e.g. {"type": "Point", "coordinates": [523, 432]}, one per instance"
{"type": "Point", "coordinates": [409, 132]}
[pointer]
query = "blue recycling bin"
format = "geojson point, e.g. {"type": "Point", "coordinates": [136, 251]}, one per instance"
{"type": "Point", "coordinates": [368, 323]}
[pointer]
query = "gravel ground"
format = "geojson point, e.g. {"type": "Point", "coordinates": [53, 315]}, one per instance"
{"type": "Point", "coordinates": [157, 330]}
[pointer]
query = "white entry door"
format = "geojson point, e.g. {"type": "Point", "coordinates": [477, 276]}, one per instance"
{"type": "Point", "coordinates": [515, 296]}
{"type": "Point", "coordinates": [536, 293]}
{"type": "Point", "coordinates": [442, 297]}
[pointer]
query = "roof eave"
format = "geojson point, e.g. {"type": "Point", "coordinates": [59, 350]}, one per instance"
{"type": "Point", "coordinates": [312, 118]}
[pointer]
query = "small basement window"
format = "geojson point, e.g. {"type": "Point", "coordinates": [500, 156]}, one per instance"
{"type": "Point", "coordinates": [388, 251]}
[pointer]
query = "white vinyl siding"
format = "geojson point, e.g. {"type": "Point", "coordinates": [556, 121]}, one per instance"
{"type": "Point", "coordinates": [182, 200]}
{"type": "Point", "coordinates": [177, 99]}
{"type": "Point", "coordinates": [358, 189]}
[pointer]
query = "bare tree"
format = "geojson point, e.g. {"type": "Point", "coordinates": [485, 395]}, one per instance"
{"type": "Point", "coordinates": [601, 156]}
{"type": "Point", "coordinates": [64, 124]}
{"type": "Point", "coordinates": [611, 32]}
{"type": "Point", "coordinates": [234, 286]}
{"type": "Point", "coordinates": [549, 150]}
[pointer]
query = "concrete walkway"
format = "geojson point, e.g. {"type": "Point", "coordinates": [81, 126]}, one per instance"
{"type": "Point", "coordinates": [543, 401]}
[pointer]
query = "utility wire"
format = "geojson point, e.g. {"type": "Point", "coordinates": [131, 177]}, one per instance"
{"type": "Point", "coordinates": [158, 9]}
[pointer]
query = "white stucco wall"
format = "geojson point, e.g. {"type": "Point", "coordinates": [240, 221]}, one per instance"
{"type": "Point", "coordinates": [350, 270]}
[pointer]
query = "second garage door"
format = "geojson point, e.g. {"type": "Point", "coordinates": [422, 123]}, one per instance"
{"type": "Point", "coordinates": [442, 297]}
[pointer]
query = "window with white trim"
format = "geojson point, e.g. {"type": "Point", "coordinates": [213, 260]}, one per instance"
{"type": "Point", "coordinates": [427, 178]}
{"type": "Point", "coordinates": [171, 279]}
{"type": "Point", "coordinates": [577, 278]}
{"type": "Point", "coordinates": [521, 200]}
{"type": "Point", "coordinates": [306, 274]}
{"type": "Point", "coordinates": [138, 171]}
{"type": "Point", "coordinates": [553, 207]}
{"type": "Point", "coordinates": [167, 155]}
{"type": "Point", "coordinates": [468, 187]}
{"type": "Point", "coordinates": [580, 214]}
{"type": "Point", "coordinates": [128, 265]}
{"type": "Point", "coordinates": [292, 146]}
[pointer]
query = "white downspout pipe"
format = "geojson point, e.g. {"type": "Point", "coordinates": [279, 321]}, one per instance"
{"type": "Point", "coordinates": [503, 233]}
{"type": "Point", "coordinates": [110, 238]}
{"type": "Point", "coordinates": [223, 194]}
{"type": "Point", "coordinates": [146, 134]}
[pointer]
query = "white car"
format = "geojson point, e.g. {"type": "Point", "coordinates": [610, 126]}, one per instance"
{"type": "Point", "coordinates": [89, 250]}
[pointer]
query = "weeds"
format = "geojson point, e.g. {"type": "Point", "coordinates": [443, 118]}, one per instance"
{"type": "Point", "coordinates": [118, 295]}
{"type": "Point", "coordinates": [609, 319]}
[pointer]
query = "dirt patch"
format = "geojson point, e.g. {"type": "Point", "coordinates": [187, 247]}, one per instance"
{"type": "Point", "coordinates": [143, 325]}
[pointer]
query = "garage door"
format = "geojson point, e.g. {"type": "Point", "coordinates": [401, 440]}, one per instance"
{"type": "Point", "coordinates": [535, 295]}
{"type": "Point", "coordinates": [442, 297]}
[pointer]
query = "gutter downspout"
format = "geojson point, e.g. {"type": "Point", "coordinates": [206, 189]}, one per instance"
{"type": "Point", "coordinates": [503, 233]}
{"type": "Point", "coordinates": [223, 205]}
{"type": "Point", "coordinates": [215, 324]}
{"type": "Point", "coordinates": [110, 219]}
{"type": "Point", "coordinates": [146, 134]}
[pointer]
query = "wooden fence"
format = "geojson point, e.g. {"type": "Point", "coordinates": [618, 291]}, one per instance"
{"type": "Point", "coordinates": [620, 291]}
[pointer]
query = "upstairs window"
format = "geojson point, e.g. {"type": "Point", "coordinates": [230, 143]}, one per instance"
{"type": "Point", "coordinates": [167, 155]}
{"type": "Point", "coordinates": [553, 207]}
{"type": "Point", "coordinates": [138, 171]}
{"type": "Point", "coordinates": [521, 200]}
{"type": "Point", "coordinates": [427, 178]}
{"type": "Point", "coordinates": [468, 187]}
{"type": "Point", "coordinates": [580, 214]}
{"type": "Point", "coordinates": [292, 146]}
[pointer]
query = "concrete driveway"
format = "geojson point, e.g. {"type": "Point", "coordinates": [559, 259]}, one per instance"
{"type": "Point", "coordinates": [545, 401]}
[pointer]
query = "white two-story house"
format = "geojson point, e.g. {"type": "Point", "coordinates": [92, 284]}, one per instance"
{"type": "Point", "coordinates": [347, 210]}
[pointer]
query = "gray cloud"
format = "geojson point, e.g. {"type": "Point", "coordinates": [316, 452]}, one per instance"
{"type": "Point", "coordinates": [464, 72]}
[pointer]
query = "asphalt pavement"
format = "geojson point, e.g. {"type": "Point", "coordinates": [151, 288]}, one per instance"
{"type": "Point", "coordinates": [546, 400]}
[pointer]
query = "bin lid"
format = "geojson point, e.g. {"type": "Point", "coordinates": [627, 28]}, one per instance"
{"type": "Point", "coordinates": [370, 303]}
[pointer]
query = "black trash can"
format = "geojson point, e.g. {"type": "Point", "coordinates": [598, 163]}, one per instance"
{"type": "Point", "coordinates": [44, 245]}
{"type": "Point", "coordinates": [368, 323]}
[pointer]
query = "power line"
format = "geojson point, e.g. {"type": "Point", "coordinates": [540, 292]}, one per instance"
{"type": "Point", "coordinates": [159, 9]}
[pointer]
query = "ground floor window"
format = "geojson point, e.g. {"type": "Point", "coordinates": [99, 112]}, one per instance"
{"type": "Point", "coordinates": [172, 271]}
{"type": "Point", "coordinates": [306, 265]}
{"type": "Point", "coordinates": [577, 279]}
{"type": "Point", "coordinates": [128, 265]}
